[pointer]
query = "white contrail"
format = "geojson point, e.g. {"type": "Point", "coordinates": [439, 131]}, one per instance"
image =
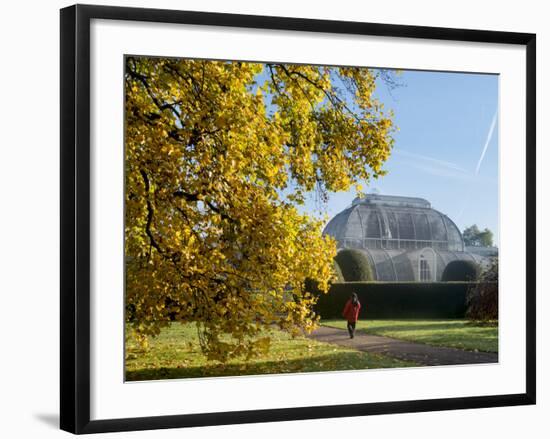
{"type": "Point", "coordinates": [433, 160]}
{"type": "Point", "coordinates": [481, 157]}
{"type": "Point", "coordinates": [489, 137]}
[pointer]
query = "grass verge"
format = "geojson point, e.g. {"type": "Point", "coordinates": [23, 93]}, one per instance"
{"type": "Point", "coordinates": [456, 333]}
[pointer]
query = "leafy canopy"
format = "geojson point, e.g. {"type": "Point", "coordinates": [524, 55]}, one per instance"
{"type": "Point", "coordinates": [218, 156]}
{"type": "Point", "coordinates": [477, 238]}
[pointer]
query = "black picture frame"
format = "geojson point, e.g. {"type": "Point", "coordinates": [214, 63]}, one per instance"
{"type": "Point", "coordinates": [75, 217]}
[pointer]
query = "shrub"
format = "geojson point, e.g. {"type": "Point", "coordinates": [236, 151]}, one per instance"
{"type": "Point", "coordinates": [482, 299]}
{"type": "Point", "coordinates": [354, 265]}
{"type": "Point", "coordinates": [338, 271]}
{"type": "Point", "coordinates": [397, 299]}
{"type": "Point", "coordinates": [460, 271]}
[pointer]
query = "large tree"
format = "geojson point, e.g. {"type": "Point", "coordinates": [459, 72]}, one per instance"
{"type": "Point", "coordinates": [218, 156]}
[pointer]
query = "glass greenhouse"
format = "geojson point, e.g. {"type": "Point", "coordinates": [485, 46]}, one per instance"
{"type": "Point", "coordinates": [404, 238]}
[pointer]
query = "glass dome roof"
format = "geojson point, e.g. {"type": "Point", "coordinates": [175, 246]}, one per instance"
{"type": "Point", "coordinates": [394, 223]}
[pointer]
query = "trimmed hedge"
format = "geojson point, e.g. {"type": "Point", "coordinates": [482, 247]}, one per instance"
{"type": "Point", "coordinates": [397, 299]}
{"type": "Point", "coordinates": [354, 264]}
{"type": "Point", "coordinates": [338, 270]}
{"type": "Point", "coordinates": [460, 271]}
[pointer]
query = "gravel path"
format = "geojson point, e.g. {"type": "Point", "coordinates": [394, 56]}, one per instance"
{"type": "Point", "coordinates": [419, 353]}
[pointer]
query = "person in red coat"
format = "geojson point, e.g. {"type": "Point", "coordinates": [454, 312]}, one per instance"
{"type": "Point", "coordinates": [351, 313]}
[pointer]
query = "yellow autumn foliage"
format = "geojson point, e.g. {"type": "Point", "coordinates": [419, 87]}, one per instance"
{"type": "Point", "coordinates": [218, 156]}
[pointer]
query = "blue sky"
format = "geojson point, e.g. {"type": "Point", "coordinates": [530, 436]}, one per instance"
{"type": "Point", "coordinates": [446, 148]}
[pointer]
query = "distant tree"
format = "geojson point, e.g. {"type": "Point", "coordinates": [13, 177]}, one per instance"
{"type": "Point", "coordinates": [470, 234]}
{"type": "Point", "coordinates": [486, 238]}
{"type": "Point", "coordinates": [473, 237]}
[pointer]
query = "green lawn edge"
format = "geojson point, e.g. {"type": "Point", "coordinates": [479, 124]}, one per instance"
{"type": "Point", "coordinates": [454, 333]}
{"type": "Point", "coordinates": [175, 354]}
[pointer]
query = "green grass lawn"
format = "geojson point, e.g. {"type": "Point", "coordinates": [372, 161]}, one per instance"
{"type": "Point", "coordinates": [460, 334]}
{"type": "Point", "coordinates": [175, 353]}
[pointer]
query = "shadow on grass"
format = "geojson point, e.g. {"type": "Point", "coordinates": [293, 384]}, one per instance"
{"type": "Point", "coordinates": [339, 362]}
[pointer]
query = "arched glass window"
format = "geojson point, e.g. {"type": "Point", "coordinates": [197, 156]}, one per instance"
{"type": "Point", "coordinates": [427, 265]}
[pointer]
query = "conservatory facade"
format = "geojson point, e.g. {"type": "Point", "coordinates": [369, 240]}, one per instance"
{"type": "Point", "coordinates": [404, 238]}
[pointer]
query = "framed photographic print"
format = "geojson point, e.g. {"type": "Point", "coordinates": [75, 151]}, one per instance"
{"type": "Point", "coordinates": [258, 213]}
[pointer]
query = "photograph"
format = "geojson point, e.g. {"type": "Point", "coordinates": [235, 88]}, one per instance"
{"type": "Point", "coordinates": [284, 218]}
{"type": "Point", "coordinates": [275, 220]}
